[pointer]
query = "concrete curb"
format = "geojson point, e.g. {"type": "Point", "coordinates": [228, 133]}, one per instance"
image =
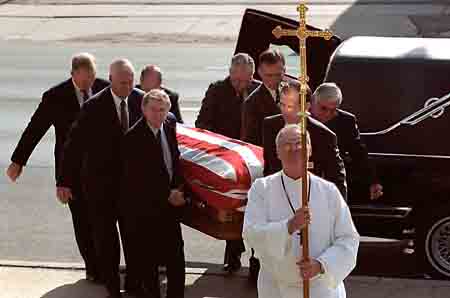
{"type": "Point", "coordinates": [80, 266]}
{"type": "Point", "coordinates": [369, 280]}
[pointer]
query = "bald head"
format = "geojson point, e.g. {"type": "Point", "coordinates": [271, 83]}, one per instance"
{"type": "Point", "coordinates": [121, 74]}
{"type": "Point", "coordinates": [289, 143]}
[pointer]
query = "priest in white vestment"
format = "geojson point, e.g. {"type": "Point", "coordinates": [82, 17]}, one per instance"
{"type": "Point", "coordinates": [274, 219]}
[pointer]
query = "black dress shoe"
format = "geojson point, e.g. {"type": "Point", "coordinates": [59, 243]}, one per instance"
{"type": "Point", "coordinates": [232, 266]}
{"type": "Point", "coordinates": [93, 278]}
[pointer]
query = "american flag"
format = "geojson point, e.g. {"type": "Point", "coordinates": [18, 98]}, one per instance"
{"type": "Point", "coordinates": [218, 170]}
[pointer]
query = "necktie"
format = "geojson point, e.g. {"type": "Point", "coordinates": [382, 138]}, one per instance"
{"type": "Point", "coordinates": [85, 95]}
{"type": "Point", "coordinates": [123, 116]}
{"type": "Point", "coordinates": [164, 154]}
{"type": "Point", "coordinates": [158, 138]}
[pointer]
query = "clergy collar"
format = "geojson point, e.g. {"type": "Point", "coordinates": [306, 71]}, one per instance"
{"type": "Point", "coordinates": [118, 99]}
{"type": "Point", "coordinates": [289, 179]}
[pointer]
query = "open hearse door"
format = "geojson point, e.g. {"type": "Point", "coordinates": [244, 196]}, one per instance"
{"type": "Point", "coordinates": [255, 36]}
{"type": "Point", "coordinates": [399, 88]}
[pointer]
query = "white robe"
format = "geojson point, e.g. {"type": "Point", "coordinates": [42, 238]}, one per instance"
{"type": "Point", "coordinates": [333, 237]}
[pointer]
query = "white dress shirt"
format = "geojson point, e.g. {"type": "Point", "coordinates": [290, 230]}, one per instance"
{"type": "Point", "coordinates": [165, 149]}
{"type": "Point", "coordinates": [79, 94]}
{"type": "Point", "coordinates": [272, 92]}
{"type": "Point", "coordinates": [117, 102]}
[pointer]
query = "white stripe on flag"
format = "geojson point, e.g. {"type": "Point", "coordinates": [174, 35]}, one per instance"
{"type": "Point", "coordinates": [253, 164]}
{"type": "Point", "coordinates": [211, 162]}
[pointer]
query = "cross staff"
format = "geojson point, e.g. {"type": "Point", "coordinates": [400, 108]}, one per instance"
{"type": "Point", "coordinates": [302, 33]}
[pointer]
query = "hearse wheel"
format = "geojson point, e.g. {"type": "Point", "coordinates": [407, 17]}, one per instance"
{"type": "Point", "coordinates": [434, 243]}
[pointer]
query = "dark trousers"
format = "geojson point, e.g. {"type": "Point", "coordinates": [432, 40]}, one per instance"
{"type": "Point", "coordinates": [154, 248]}
{"type": "Point", "coordinates": [103, 215]}
{"type": "Point", "coordinates": [84, 235]}
{"type": "Point", "coordinates": [133, 282]}
{"type": "Point", "coordinates": [233, 251]}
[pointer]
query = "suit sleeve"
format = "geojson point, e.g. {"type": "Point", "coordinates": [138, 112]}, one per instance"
{"type": "Point", "coordinates": [269, 149]}
{"type": "Point", "coordinates": [334, 169]}
{"type": "Point", "coordinates": [205, 118]}
{"type": "Point", "coordinates": [178, 180]}
{"type": "Point", "coordinates": [359, 155]}
{"type": "Point", "coordinates": [176, 107]}
{"type": "Point", "coordinates": [39, 124]}
{"type": "Point", "coordinates": [251, 128]}
{"type": "Point", "coordinates": [75, 148]}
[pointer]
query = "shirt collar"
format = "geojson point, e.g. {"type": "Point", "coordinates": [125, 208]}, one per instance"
{"type": "Point", "coordinates": [117, 99]}
{"type": "Point", "coordinates": [155, 130]}
{"type": "Point", "coordinates": [78, 90]}
{"type": "Point", "coordinates": [272, 92]}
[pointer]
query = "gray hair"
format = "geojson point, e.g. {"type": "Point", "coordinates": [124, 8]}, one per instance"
{"type": "Point", "coordinates": [243, 59]}
{"type": "Point", "coordinates": [156, 95]}
{"type": "Point", "coordinates": [328, 92]}
{"type": "Point", "coordinates": [121, 65]}
{"type": "Point", "coordinates": [83, 60]}
{"type": "Point", "coordinates": [281, 138]}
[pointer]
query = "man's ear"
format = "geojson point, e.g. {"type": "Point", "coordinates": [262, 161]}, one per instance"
{"type": "Point", "coordinates": [260, 72]}
{"type": "Point", "coordinates": [109, 78]}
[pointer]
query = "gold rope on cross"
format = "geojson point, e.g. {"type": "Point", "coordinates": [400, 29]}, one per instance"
{"type": "Point", "coordinates": [302, 33]}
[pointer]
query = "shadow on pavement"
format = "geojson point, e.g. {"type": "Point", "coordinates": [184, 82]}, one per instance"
{"type": "Point", "coordinates": [80, 289]}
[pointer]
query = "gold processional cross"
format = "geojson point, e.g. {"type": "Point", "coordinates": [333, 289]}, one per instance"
{"type": "Point", "coordinates": [302, 33]}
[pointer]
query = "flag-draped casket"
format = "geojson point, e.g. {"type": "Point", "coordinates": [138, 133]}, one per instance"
{"type": "Point", "coordinates": [219, 172]}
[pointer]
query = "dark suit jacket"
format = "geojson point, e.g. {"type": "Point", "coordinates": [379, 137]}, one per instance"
{"type": "Point", "coordinates": [221, 109]}
{"type": "Point", "coordinates": [94, 144]}
{"type": "Point", "coordinates": [146, 182]}
{"type": "Point", "coordinates": [258, 105]}
{"type": "Point", "coordinates": [59, 107]}
{"type": "Point", "coordinates": [325, 153]}
{"type": "Point", "coordinates": [174, 101]}
{"type": "Point", "coordinates": [352, 149]}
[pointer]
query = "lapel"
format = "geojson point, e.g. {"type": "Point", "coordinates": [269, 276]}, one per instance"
{"type": "Point", "coordinates": [112, 110]}
{"type": "Point", "coordinates": [271, 107]}
{"type": "Point", "coordinates": [169, 135]}
{"type": "Point", "coordinates": [134, 107]}
{"type": "Point", "coordinates": [72, 96]}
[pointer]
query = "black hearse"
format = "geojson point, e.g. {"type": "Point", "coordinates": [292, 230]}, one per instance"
{"type": "Point", "coordinates": [399, 88]}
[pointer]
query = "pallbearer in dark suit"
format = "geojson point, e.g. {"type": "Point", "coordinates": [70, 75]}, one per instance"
{"type": "Point", "coordinates": [361, 176]}
{"type": "Point", "coordinates": [152, 78]}
{"type": "Point", "coordinates": [59, 107]}
{"type": "Point", "coordinates": [264, 101]}
{"type": "Point", "coordinates": [152, 197]}
{"type": "Point", "coordinates": [326, 160]}
{"type": "Point", "coordinates": [221, 113]}
{"type": "Point", "coordinates": [94, 146]}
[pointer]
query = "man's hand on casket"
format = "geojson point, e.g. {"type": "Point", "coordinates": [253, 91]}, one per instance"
{"type": "Point", "coordinates": [376, 191]}
{"type": "Point", "coordinates": [64, 194]}
{"type": "Point", "coordinates": [176, 198]}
